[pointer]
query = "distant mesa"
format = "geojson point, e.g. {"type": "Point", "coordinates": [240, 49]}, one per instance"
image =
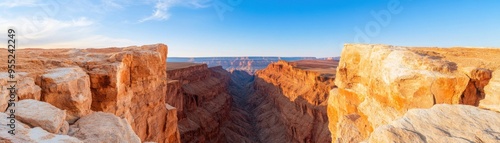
{"type": "Point", "coordinates": [248, 64]}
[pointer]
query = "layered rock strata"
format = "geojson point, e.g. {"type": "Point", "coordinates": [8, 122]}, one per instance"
{"type": "Point", "coordinates": [378, 84]}
{"type": "Point", "coordinates": [289, 102]}
{"type": "Point", "coordinates": [127, 82]}
{"type": "Point", "coordinates": [242, 124]}
{"type": "Point", "coordinates": [203, 104]}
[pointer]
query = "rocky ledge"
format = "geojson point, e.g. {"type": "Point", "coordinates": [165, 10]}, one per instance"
{"type": "Point", "coordinates": [111, 94]}
{"type": "Point", "coordinates": [378, 84]}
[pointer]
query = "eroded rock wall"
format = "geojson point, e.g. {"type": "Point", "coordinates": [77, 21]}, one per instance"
{"type": "Point", "coordinates": [127, 82]}
{"type": "Point", "coordinates": [289, 104]}
{"type": "Point", "coordinates": [205, 103]}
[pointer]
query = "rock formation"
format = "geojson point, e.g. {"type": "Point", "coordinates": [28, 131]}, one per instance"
{"type": "Point", "coordinates": [442, 123]}
{"type": "Point", "coordinates": [68, 89]}
{"type": "Point", "coordinates": [127, 82]}
{"type": "Point", "coordinates": [492, 90]}
{"type": "Point", "coordinates": [204, 102]}
{"type": "Point", "coordinates": [242, 124]}
{"type": "Point", "coordinates": [290, 101]}
{"type": "Point", "coordinates": [100, 127]}
{"type": "Point", "coordinates": [41, 114]}
{"type": "Point", "coordinates": [275, 106]}
{"type": "Point", "coordinates": [377, 93]}
{"type": "Point", "coordinates": [25, 134]}
{"type": "Point", "coordinates": [26, 88]}
{"type": "Point", "coordinates": [378, 84]}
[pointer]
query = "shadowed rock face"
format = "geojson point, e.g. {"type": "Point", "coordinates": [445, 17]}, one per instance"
{"type": "Point", "coordinates": [127, 82]}
{"type": "Point", "coordinates": [286, 102]}
{"type": "Point", "coordinates": [203, 103]}
{"type": "Point", "coordinates": [378, 84]}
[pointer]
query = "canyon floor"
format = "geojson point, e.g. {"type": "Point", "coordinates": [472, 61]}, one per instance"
{"type": "Point", "coordinates": [374, 93]}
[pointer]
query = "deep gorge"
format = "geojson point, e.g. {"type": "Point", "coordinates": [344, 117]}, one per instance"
{"type": "Point", "coordinates": [280, 103]}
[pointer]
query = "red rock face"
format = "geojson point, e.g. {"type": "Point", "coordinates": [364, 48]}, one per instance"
{"type": "Point", "coordinates": [286, 102]}
{"type": "Point", "coordinates": [204, 104]}
{"type": "Point", "coordinates": [290, 102]}
{"type": "Point", "coordinates": [127, 82]}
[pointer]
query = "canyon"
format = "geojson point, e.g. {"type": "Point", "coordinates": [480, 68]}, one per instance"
{"type": "Point", "coordinates": [374, 93]}
{"type": "Point", "coordinates": [247, 64]}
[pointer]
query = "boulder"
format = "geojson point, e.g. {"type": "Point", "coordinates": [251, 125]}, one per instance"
{"type": "Point", "coordinates": [25, 134]}
{"type": "Point", "coordinates": [442, 123]}
{"type": "Point", "coordinates": [68, 89]}
{"type": "Point", "coordinates": [4, 92]}
{"type": "Point", "coordinates": [26, 88]}
{"type": "Point", "coordinates": [41, 114]}
{"type": "Point", "coordinates": [100, 127]}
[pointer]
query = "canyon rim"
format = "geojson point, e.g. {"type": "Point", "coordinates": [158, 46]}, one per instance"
{"type": "Point", "coordinates": [249, 71]}
{"type": "Point", "coordinates": [375, 93]}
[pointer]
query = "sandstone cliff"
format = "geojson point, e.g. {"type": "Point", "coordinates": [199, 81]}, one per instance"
{"type": "Point", "coordinates": [289, 102]}
{"type": "Point", "coordinates": [127, 82]}
{"type": "Point", "coordinates": [200, 94]}
{"type": "Point", "coordinates": [378, 84]}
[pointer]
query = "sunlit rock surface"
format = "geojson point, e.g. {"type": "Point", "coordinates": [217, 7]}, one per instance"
{"type": "Point", "coordinates": [128, 82]}
{"type": "Point", "coordinates": [379, 83]}
{"type": "Point", "coordinates": [442, 123]}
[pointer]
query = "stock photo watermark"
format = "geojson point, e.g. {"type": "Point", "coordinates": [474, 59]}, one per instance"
{"type": "Point", "coordinates": [11, 63]}
{"type": "Point", "coordinates": [39, 21]}
{"type": "Point", "coordinates": [223, 6]}
{"type": "Point", "coordinates": [382, 19]}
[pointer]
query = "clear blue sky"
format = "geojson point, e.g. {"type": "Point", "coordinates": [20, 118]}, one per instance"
{"type": "Point", "coordinates": [194, 28]}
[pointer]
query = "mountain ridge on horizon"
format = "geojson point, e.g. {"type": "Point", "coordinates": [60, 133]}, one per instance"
{"type": "Point", "coordinates": [248, 64]}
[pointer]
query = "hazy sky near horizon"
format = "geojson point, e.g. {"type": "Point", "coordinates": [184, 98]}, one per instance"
{"type": "Point", "coordinates": [201, 28]}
